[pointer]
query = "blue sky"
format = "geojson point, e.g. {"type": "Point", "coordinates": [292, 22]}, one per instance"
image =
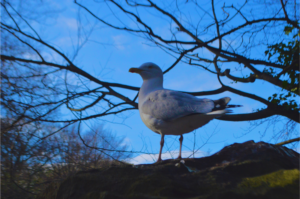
{"type": "Point", "coordinates": [110, 53]}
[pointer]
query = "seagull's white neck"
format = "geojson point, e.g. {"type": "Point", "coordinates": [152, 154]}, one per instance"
{"type": "Point", "coordinates": [150, 85]}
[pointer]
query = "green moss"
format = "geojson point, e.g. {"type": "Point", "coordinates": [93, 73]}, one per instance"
{"type": "Point", "coordinates": [282, 179]}
{"type": "Point", "coordinates": [252, 168]}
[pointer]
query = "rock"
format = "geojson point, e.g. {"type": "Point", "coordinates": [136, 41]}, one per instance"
{"type": "Point", "coordinates": [246, 170]}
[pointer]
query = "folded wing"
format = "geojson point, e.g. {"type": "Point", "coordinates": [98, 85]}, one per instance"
{"type": "Point", "coordinates": [170, 105]}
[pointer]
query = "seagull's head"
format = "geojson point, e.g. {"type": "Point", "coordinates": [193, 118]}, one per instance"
{"type": "Point", "coordinates": [148, 71]}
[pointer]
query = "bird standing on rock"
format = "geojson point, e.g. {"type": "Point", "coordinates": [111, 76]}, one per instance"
{"type": "Point", "coordinates": [168, 112]}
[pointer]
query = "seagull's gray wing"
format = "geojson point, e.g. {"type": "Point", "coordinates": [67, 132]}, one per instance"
{"type": "Point", "coordinates": [169, 105]}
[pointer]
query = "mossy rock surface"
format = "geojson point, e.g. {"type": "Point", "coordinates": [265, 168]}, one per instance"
{"type": "Point", "coordinates": [246, 170]}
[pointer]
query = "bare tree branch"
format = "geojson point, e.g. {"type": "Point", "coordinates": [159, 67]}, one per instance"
{"type": "Point", "coordinates": [288, 141]}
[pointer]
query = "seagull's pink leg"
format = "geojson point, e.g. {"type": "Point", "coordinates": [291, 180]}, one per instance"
{"type": "Point", "coordinates": [180, 141]}
{"type": "Point", "coordinates": [161, 146]}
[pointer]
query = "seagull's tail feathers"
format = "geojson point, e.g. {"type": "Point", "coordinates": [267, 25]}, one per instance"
{"type": "Point", "coordinates": [219, 112]}
{"type": "Point", "coordinates": [222, 104]}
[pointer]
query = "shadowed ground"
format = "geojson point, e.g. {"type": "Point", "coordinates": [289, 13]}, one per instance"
{"type": "Point", "coordinates": [246, 170]}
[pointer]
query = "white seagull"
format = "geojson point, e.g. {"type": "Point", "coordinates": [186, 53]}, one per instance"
{"type": "Point", "coordinates": [168, 112]}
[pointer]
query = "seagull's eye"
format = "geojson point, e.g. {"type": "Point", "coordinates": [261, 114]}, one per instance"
{"type": "Point", "coordinates": [150, 67]}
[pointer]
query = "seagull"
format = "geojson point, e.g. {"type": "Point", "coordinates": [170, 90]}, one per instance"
{"type": "Point", "coordinates": [169, 112]}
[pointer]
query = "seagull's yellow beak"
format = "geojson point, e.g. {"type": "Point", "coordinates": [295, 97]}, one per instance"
{"type": "Point", "coordinates": [135, 70]}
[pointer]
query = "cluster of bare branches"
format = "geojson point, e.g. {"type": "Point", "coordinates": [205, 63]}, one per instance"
{"type": "Point", "coordinates": [29, 164]}
{"type": "Point", "coordinates": [34, 151]}
{"type": "Point", "coordinates": [248, 35]}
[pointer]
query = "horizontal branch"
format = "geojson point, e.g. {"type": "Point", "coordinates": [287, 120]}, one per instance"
{"type": "Point", "coordinates": [230, 56]}
{"type": "Point", "coordinates": [247, 23]}
{"type": "Point", "coordinates": [288, 141]}
{"type": "Point", "coordinates": [247, 116]}
{"type": "Point", "coordinates": [87, 106]}
{"type": "Point", "coordinates": [213, 92]}
{"type": "Point", "coordinates": [11, 58]}
{"type": "Point", "coordinates": [86, 118]}
{"type": "Point", "coordinates": [251, 78]}
{"type": "Point", "coordinates": [259, 75]}
{"type": "Point", "coordinates": [72, 69]}
{"type": "Point", "coordinates": [293, 115]}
